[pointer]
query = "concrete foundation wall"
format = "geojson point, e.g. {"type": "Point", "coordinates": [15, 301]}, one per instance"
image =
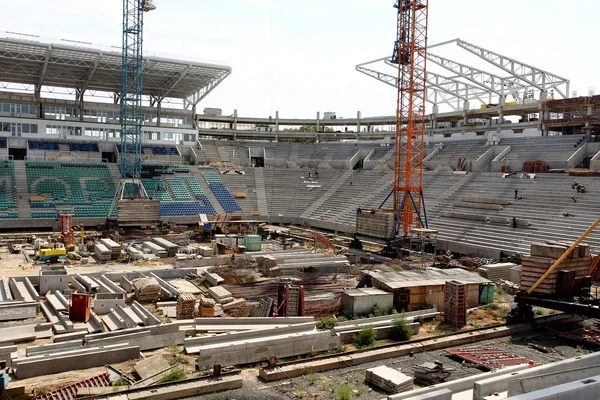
{"type": "Point", "coordinates": [533, 383]}
{"type": "Point", "coordinates": [74, 360]}
{"type": "Point", "coordinates": [499, 384]}
{"type": "Point", "coordinates": [586, 389]}
{"type": "Point", "coordinates": [237, 353]}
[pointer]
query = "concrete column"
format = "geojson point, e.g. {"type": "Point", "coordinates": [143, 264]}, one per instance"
{"type": "Point", "coordinates": [158, 112]}
{"type": "Point", "coordinates": [588, 133]}
{"type": "Point", "coordinates": [501, 103]}
{"type": "Point", "coordinates": [81, 108]}
{"type": "Point", "coordinates": [235, 115]}
{"type": "Point", "coordinates": [318, 120]}
{"type": "Point", "coordinates": [194, 117]}
{"type": "Point", "coordinates": [276, 126]}
{"type": "Point", "coordinates": [41, 110]}
{"type": "Point", "coordinates": [434, 116]}
{"type": "Point", "coordinates": [358, 115]}
{"type": "Point", "coordinates": [543, 114]}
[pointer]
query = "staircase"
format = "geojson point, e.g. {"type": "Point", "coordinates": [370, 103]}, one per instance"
{"type": "Point", "coordinates": [213, 200]}
{"type": "Point", "coordinates": [319, 202]}
{"type": "Point", "coordinates": [115, 173]}
{"type": "Point", "coordinates": [22, 199]}
{"type": "Point", "coordinates": [261, 196]}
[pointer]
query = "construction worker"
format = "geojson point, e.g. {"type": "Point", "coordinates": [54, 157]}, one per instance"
{"type": "Point", "coordinates": [514, 222]}
{"type": "Point", "coordinates": [317, 173]}
{"type": "Point", "coordinates": [575, 184]}
{"type": "Point", "coordinates": [574, 199]}
{"type": "Point", "coordinates": [581, 189]}
{"type": "Point", "coordinates": [516, 194]}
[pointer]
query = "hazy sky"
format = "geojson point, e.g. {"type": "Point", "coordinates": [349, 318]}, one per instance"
{"type": "Point", "coordinates": [299, 57]}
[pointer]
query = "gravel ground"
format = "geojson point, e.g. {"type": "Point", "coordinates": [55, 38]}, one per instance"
{"type": "Point", "coordinates": [324, 385]}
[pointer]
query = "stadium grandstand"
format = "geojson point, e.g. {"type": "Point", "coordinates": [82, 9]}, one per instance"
{"type": "Point", "coordinates": [59, 152]}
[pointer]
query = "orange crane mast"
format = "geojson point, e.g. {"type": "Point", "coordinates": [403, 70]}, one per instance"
{"type": "Point", "coordinates": [410, 53]}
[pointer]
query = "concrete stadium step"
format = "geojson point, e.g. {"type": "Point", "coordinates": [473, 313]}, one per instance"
{"type": "Point", "coordinates": [261, 196]}
{"type": "Point", "coordinates": [320, 201]}
{"type": "Point", "coordinates": [23, 206]}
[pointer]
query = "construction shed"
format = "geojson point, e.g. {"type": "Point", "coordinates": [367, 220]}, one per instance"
{"type": "Point", "coordinates": [362, 301]}
{"type": "Point", "coordinates": [415, 289]}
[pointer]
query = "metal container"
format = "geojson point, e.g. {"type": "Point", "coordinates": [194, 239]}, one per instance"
{"type": "Point", "coordinates": [253, 242]}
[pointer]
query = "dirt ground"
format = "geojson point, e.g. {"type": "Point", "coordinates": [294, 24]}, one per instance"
{"type": "Point", "coordinates": [326, 385]}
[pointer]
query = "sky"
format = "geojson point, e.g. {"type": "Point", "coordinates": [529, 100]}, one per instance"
{"type": "Point", "coordinates": [299, 57]}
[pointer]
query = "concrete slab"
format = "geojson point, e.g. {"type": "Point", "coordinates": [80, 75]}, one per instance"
{"type": "Point", "coordinates": [500, 383]}
{"type": "Point", "coordinates": [74, 360]}
{"type": "Point", "coordinates": [151, 366]}
{"type": "Point", "coordinates": [185, 286]}
{"type": "Point", "coordinates": [586, 389]}
{"type": "Point", "coordinates": [538, 382]}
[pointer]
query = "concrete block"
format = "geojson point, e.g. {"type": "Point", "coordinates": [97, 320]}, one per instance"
{"type": "Point", "coordinates": [442, 394]}
{"type": "Point", "coordinates": [538, 382]}
{"type": "Point", "coordinates": [74, 360]}
{"type": "Point", "coordinates": [213, 279]}
{"type": "Point", "coordinates": [146, 316]}
{"type": "Point", "coordinates": [104, 302]}
{"type": "Point", "coordinates": [17, 310]}
{"type": "Point", "coordinates": [53, 347]}
{"type": "Point", "coordinates": [188, 388]}
{"type": "Point", "coordinates": [151, 366]}
{"type": "Point", "coordinates": [126, 284]}
{"type": "Point", "coordinates": [261, 348]}
{"type": "Point", "coordinates": [586, 389]}
{"type": "Point", "coordinates": [500, 383]}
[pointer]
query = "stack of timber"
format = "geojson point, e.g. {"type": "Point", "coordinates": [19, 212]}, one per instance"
{"type": "Point", "coordinates": [186, 305]}
{"type": "Point", "coordinates": [114, 247]}
{"type": "Point", "coordinates": [146, 289]}
{"type": "Point", "coordinates": [102, 252]}
{"type": "Point", "coordinates": [209, 308]}
{"type": "Point", "coordinates": [389, 379]}
{"type": "Point", "coordinates": [496, 272]}
{"type": "Point", "coordinates": [543, 255]}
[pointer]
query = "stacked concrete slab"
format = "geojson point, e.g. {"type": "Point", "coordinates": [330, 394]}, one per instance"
{"type": "Point", "coordinates": [220, 294]}
{"type": "Point", "coordinates": [155, 249]}
{"type": "Point", "coordinates": [543, 255]}
{"type": "Point", "coordinates": [170, 247]}
{"type": "Point", "coordinates": [388, 379]}
{"type": "Point", "coordinates": [113, 247]}
{"type": "Point", "coordinates": [375, 223]}
{"type": "Point", "coordinates": [102, 252]}
{"type": "Point", "coordinates": [496, 272]}
{"type": "Point", "coordinates": [213, 279]}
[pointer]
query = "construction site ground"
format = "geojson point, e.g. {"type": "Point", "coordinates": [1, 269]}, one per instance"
{"type": "Point", "coordinates": [326, 385]}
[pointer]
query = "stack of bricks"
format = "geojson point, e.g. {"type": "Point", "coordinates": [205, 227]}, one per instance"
{"type": "Point", "coordinates": [455, 303]}
{"type": "Point", "coordinates": [186, 304]}
{"type": "Point", "coordinates": [576, 266]}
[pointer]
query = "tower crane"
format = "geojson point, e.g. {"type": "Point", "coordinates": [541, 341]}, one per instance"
{"type": "Point", "coordinates": [410, 53]}
{"type": "Point", "coordinates": [130, 186]}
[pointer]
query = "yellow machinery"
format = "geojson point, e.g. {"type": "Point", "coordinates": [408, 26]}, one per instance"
{"type": "Point", "coordinates": [51, 255]}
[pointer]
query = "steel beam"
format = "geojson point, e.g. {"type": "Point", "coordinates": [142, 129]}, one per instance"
{"type": "Point", "coordinates": [536, 77]}
{"type": "Point", "coordinates": [198, 95]}
{"type": "Point", "coordinates": [584, 310]}
{"type": "Point", "coordinates": [170, 85]}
